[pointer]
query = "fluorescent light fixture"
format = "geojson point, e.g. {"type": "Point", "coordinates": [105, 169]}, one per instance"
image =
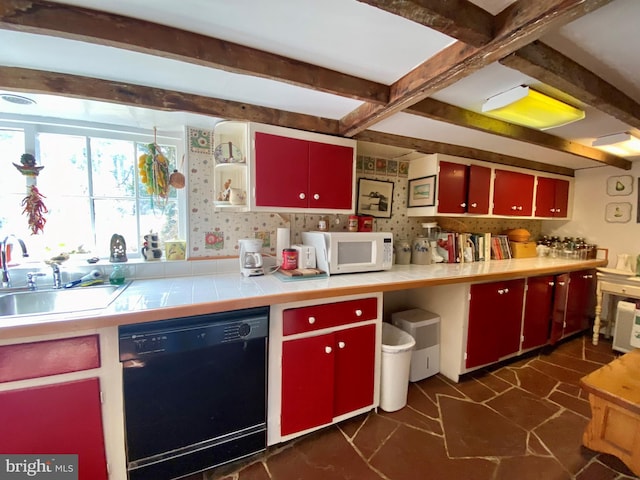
{"type": "Point", "coordinates": [621, 144]}
{"type": "Point", "coordinates": [530, 108]}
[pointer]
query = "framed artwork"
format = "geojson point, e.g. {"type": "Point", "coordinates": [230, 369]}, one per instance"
{"type": "Point", "coordinates": [617, 212]}
{"type": "Point", "coordinates": [422, 192]}
{"type": "Point", "coordinates": [375, 198]}
{"type": "Point", "coordinates": [619, 185]}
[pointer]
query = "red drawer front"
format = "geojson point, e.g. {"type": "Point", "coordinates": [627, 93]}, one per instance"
{"type": "Point", "coordinates": [317, 317]}
{"type": "Point", "coordinates": [50, 357]}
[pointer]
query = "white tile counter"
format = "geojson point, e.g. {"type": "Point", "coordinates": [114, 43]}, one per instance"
{"type": "Point", "coordinates": [162, 298]}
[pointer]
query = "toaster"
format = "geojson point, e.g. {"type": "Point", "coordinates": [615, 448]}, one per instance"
{"type": "Point", "coordinates": [306, 256]}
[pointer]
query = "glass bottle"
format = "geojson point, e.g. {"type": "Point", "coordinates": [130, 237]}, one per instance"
{"type": "Point", "coordinates": [117, 276]}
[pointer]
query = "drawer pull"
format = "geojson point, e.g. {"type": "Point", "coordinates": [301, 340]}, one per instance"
{"type": "Point", "coordinates": [312, 320]}
{"type": "Point", "coordinates": [341, 344]}
{"type": "Point", "coordinates": [358, 313]}
{"type": "Point", "coordinates": [327, 349]}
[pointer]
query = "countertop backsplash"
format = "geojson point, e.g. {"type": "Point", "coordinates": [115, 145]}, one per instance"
{"type": "Point", "coordinates": [215, 234]}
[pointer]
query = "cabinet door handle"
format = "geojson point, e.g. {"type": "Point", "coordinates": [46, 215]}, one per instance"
{"type": "Point", "coordinates": [358, 313]}
{"type": "Point", "coordinates": [513, 207]}
{"type": "Point", "coordinates": [551, 284]}
{"type": "Point", "coordinates": [474, 204]}
{"type": "Point", "coordinates": [316, 196]}
{"type": "Point", "coordinates": [312, 320]}
{"type": "Point", "coordinates": [302, 196]}
{"type": "Point", "coordinates": [341, 344]}
{"type": "Point", "coordinates": [561, 284]}
{"type": "Point", "coordinates": [519, 207]}
{"type": "Point", "coordinates": [552, 210]}
{"type": "Point", "coordinates": [506, 290]}
{"type": "Point", "coordinates": [327, 349]}
{"type": "Point", "coordinates": [501, 291]}
{"type": "Point", "coordinates": [463, 205]}
{"type": "Point", "coordinates": [558, 210]}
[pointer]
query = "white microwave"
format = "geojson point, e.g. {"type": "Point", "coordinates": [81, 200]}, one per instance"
{"type": "Point", "coordinates": [351, 252]}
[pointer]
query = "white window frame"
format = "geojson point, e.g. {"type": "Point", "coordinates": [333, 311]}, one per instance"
{"type": "Point", "coordinates": [32, 126]}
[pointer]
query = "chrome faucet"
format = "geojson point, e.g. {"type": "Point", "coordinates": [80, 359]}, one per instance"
{"type": "Point", "coordinates": [57, 279]}
{"type": "Point", "coordinates": [6, 280]}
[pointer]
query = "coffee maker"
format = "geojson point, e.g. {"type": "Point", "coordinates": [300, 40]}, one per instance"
{"type": "Point", "coordinates": [250, 257]}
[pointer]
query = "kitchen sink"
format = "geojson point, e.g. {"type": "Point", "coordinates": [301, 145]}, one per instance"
{"type": "Point", "coordinates": [59, 300]}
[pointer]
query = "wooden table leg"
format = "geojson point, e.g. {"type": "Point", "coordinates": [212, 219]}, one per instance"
{"type": "Point", "coordinates": [598, 311]}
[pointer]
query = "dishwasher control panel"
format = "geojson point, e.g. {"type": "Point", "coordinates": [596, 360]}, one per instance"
{"type": "Point", "coordinates": [191, 333]}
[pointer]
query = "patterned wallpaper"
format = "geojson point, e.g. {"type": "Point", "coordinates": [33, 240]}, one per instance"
{"type": "Point", "coordinates": [216, 234]}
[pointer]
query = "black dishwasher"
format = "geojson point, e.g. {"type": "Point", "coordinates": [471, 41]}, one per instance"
{"type": "Point", "coordinates": [194, 392]}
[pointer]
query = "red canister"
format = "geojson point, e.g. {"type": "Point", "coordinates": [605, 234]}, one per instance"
{"type": "Point", "coordinates": [365, 223]}
{"type": "Point", "coordinates": [289, 259]}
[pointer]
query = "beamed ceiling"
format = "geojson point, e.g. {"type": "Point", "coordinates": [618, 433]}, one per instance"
{"type": "Point", "coordinates": [407, 74]}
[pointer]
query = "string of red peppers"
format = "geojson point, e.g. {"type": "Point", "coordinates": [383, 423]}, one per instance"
{"type": "Point", "coordinates": [35, 209]}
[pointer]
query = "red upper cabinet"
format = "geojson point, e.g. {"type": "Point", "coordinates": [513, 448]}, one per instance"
{"type": "Point", "coordinates": [299, 174]}
{"type": "Point", "coordinates": [513, 193]}
{"type": "Point", "coordinates": [282, 171]}
{"type": "Point", "coordinates": [463, 188]}
{"type": "Point", "coordinates": [453, 183]}
{"type": "Point", "coordinates": [330, 176]}
{"type": "Point", "coordinates": [479, 189]}
{"type": "Point", "coordinates": [552, 198]}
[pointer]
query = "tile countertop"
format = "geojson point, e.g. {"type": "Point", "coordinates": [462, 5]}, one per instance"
{"type": "Point", "coordinates": [163, 298]}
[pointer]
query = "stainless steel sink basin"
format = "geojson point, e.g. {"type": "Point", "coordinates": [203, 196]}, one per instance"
{"type": "Point", "coordinates": [58, 301]}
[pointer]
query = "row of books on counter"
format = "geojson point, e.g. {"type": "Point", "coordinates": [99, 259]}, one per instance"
{"type": "Point", "coordinates": [472, 247]}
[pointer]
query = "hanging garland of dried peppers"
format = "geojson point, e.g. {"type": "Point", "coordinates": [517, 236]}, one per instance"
{"type": "Point", "coordinates": [35, 209]}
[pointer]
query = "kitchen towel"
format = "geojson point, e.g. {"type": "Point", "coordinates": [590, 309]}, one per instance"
{"type": "Point", "coordinates": [283, 240]}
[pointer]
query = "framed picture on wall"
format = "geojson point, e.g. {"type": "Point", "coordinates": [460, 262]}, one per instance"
{"type": "Point", "coordinates": [422, 192]}
{"type": "Point", "coordinates": [375, 198]}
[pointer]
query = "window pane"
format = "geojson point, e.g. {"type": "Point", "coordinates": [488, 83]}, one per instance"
{"type": "Point", "coordinates": [116, 216]}
{"type": "Point", "coordinates": [11, 148]}
{"type": "Point", "coordinates": [68, 226]}
{"type": "Point", "coordinates": [65, 160]}
{"type": "Point", "coordinates": [112, 167]}
{"type": "Point", "coordinates": [159, 218]}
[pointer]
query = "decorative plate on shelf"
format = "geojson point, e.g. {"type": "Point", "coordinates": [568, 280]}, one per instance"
{"type": "Point", "coordinates": [228, 153]}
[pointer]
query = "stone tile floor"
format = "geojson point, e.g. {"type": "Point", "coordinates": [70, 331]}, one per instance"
{"type": "Point", "coordinates": [520, 420]}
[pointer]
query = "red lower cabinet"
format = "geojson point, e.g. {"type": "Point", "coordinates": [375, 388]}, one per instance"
{"type": "Point", "coordinates": [354, 369]}
{"type": "Point", "coordinates": [64, 418]}
{"type": "Point", "coordinates": [537, 311]}
{"type": "Point", "coordinates": [307, 383]}
{"type": "Point", "coordinates": [325, 376]}
{"type": "Point", "coordinates": [573, 304]}
{"type": "Point", "coordinates": [495, 321]}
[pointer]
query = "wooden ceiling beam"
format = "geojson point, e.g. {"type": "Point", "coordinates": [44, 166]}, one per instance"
{"type": "Point", "coordinates": [100, 28]}
{"type": "Point", "coordinates": [428, 146]}
{"type": "Point", "coordinates": [556, 70]}
{"type": "Point", "coordinates": [38, 81]}
{"type": "Point", "coordinates": [519, 24]}
{"type": "Point", "coordinates": [459, 19]}
{"type": "Point", "coordinates": [444, 112]}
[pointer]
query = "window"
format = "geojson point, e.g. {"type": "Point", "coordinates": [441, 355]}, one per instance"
{"type": "Point", "coordinates": [92, 189]}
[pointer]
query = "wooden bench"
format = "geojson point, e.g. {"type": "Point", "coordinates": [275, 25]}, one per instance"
{"type": "Point", "coordinates": [614, 395]}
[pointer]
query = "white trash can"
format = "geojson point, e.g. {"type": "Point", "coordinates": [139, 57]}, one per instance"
{"type": "Point", "coordinates": [396, 363]}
